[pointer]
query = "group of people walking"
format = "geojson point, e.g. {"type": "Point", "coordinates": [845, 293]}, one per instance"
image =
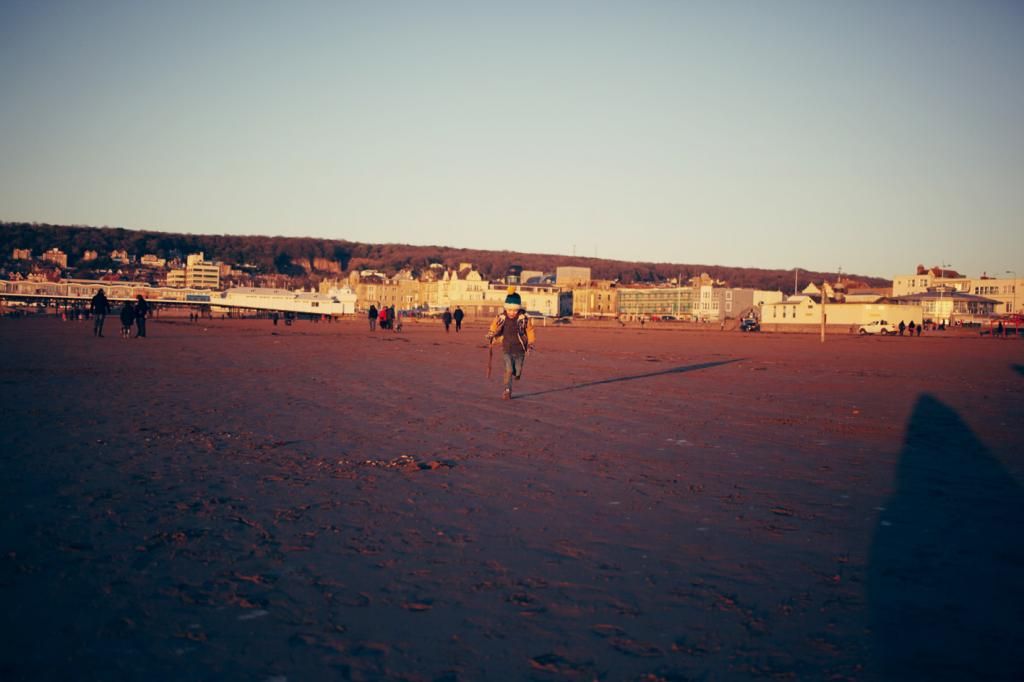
{"type": "Point", "coordinates": [386, 317]}
{"type": "Point", "coordinates": [911, 328]}
{"type": "Point", "coordinates": [131, 313]}
{"type": "Point", "coordinates": [448, 316]}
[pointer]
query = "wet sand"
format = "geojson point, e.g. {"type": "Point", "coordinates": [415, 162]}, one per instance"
{"type": "Point", "coordinates": [233, 500]}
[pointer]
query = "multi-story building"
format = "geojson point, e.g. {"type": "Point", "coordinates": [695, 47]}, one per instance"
{"type": "Point", "coordinates": [733, 303]}
{"type": "Point", "coordinates": [119, 256]}
{"type": "Point", "coordinates": [22, 254]}
{"type": "Point", "coordinates": [153, 261]}
{"type": "Point", "coordinates": [1002, 290]}
{"type": "Point", "coordinates": [56, 256]}
{"type": "Point", "coordinates": [571, 276]}
{"type": "Point", "coordinates": [89, 255]}
{"type": "Point", "coordinates": [176, 277]}
{"type": "Point", "coordinates": [547, 300]}
{"type": "Point", "coordinates": [198, 273]}
{"type": "Point", "coordinates": [465, 288]}
{"type": "Point", "coordinates": [638, 301]}
{"type": "Point", "coordinates": [599, 298]}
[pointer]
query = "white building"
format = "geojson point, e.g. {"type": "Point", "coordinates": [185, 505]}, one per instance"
{"type": "Point", "coordinates": [805, 310]}
{"type": "Point", "coordinates": [335, 302]}
{"type": "Point", "coordinates": [1002, 290]}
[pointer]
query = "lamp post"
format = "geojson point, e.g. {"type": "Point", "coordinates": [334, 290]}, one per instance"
{"type": "Point", "coordinates": [1013, 306]}
{"type": "Point", "coordinates": [1013, 292]}
{"type": "Point", "coordinates": [942, 285]}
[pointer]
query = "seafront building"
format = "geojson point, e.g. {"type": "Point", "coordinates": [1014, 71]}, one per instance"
{"type": "Point", "coordinates": [1004, 291]}
{"type": "Point", "coordinates": [637, 302]}
{"type": "Point", "coordinates": [596, 299]}
{"type": "Point", "coordinates": [805, 310]}
{"type": "Point", "coordinates": [947, 305]}
{"type": "Point", "coordinates": [930, 295]}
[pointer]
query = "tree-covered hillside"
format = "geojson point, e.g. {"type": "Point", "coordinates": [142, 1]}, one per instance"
{"type": "Point", "coordinates": [295, 255]}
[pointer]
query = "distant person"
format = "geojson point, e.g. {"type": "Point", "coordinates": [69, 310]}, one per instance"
{"type": "Point", "coordinates": [372, 314]}
{"type": "Point", "coordinates": [273, 316]}
{"type": "Point", "coordinates": [910, 328]}
{"type": "Point", "coordinates": [141, 310]}
{"type": "Point", "coordinates": [514, 331]}
{"type": "Point", "coordinates": [127, 319]}
{"type": "Point", "coordinates": [100, 307]}
{"type": "Point", "coordinates": [457, 316]}
{"type": "Point", "coordinates": [999, 329]}
{"type": "Point", "coordinates": [903, 327]}
{"type": "Point", "coordinates": [391, 316]}
{"type": "Point", "coordinates": [382, 317]}
{"type": "Point", "coordinates": [447, 319]}
{"type": "Point", "coordinates": [919, 328]}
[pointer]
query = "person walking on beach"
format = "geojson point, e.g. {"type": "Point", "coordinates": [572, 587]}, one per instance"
{"type": "Point", "coordinates": [910, 328]}
{"type": "Point", "coordinates": [447, 319]}
{"type": "Point", "coordinates": [127, 318]}
{"type": "Point", "coordinates": [382, 317]}
{"type": "Point", "coordinates": [903, 327]}
{"type": "Point", "coordinates": [390, 310]}
{"type": "Point", "coordinates": [457, 316]}
{"type": "Point", "coordinates": [514, 331]}
{"type": "Point", "coordinates": [141, 310]}
{"type": "Point", "coordinates": [99, 306]}
{"type": "Point", "coordinates": [372, 314]}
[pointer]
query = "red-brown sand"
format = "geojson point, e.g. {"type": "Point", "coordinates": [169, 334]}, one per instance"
{"type": "Point", "coordinates": [234, 500]}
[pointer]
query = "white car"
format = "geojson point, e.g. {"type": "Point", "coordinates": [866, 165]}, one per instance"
{"type": "Point", "coordinates": [879, 327]}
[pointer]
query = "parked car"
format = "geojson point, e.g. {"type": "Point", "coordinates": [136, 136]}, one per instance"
{"type": "Point", "coordinates": [879, 327]}
{"type": "Point", "coordinates": [750, 324]}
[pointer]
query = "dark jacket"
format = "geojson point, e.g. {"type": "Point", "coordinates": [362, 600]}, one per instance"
{"type": "Point", "coordinates": [127, 314]}
{"type": "Point", "coordinates": [100, 305]}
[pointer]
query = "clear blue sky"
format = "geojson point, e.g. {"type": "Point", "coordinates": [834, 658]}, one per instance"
{"type": "Point", "coordinates": [859, 134]}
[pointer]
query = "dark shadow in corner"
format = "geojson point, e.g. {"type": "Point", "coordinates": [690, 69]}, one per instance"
{"type": "Point", "coordinates": [1019, 368]}
{"type": "Point", "coordinates": [615, 380]}
{"type": "Point", "coordinates": [945, 584]}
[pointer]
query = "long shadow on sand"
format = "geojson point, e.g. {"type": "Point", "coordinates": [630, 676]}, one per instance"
{"type": "Point", "coordinates": [944, 581]}
{"type": "Point", "coordinates": [647, 375]}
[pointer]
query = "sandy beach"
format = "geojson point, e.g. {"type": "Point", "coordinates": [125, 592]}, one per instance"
{"type": "Point", "coordinates": [233, 500]}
